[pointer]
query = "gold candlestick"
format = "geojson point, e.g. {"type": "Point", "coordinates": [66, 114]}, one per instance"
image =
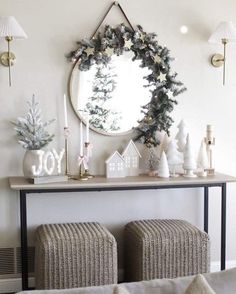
{"type": "Point", "coordinates": [210, 141]}
{"type": "Point", "coordinates": [82, 175]}
{"type": "Point", "coordinates": [66, 135]}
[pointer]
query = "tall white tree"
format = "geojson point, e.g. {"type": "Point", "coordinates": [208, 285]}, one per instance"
{"type": "Point", "coordinates": [189, 159]}
{"type": "Point", "coordinates": [202, 160]}
{"type": "Point", "coordinates": [163, 168]}
{"type": "Point", "coordinates": [174, 157]}
{"type": "Point", "coordinates": [181, 136]}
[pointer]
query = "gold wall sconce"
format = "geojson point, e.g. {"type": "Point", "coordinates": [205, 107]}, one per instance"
{"type": "Point", "coordinates": [224, 33]}
{"type": "Point", "coordinates": [9, 30]}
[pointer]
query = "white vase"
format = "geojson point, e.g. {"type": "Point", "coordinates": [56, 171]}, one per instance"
{"type": "Point", "coordinates": [32, 158]}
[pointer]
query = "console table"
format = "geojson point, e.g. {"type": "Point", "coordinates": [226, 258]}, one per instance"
{"type": "Point", "coordinates": [130, 183]}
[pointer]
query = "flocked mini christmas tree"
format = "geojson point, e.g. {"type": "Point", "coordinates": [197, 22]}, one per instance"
{"type": "Point", "coordinates": [30, 130]}
{"type": "Point", "coordinates": [181, 135]}
{"type": "Point", "coordinates": [100, 114]}
{"type": "Point", "coordinates": [189, 160]}
{"type": "Point", "coordinates": [174, 157]}
{"type": "Point", "coordinates": [202, 160]}
{"type": "Point", "coordinates": [163, 168]}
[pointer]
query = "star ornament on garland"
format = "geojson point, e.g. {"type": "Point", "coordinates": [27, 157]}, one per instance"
{"type": "Point", "coordinates": [142, 37]}
{"type": "Point", "coordinates": [157, 59]}
{"type": "Point", "coordinates": [128, 44]}
{"type": "Point", "coordinates": [109, 51]}
{"type": "Point", "coordinates": [89, 51]}
{"type": "Point", "coordinates": [169, 93]}
{"type": "Point", "coordinates": [162, 77]}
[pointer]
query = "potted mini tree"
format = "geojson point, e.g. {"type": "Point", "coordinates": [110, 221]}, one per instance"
{"type": "Point", "coordinates": [32, 135]}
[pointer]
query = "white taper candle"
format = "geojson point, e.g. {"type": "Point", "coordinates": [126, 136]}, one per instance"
{"type": "Point", "coordinates": [65, 112]}
{"type": "Point", "coordinates": [81, 139]}
{"type": "Point", "coordinates": [87, 128]}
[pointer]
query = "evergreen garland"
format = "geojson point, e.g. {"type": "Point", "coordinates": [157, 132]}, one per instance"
{"type": "Point", "coordinates": [162, 83]}
{"type": "Point", "coordinates": [30, 129]}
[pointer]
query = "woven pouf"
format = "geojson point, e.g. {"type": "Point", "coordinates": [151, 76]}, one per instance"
{"type": "Point", "coordinates": [165, 249]}
{"type": "Point", "coordinates": [74, 255]}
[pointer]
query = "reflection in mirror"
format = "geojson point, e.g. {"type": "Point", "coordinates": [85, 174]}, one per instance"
{"type": "Point", "coordinates": [111, 94]}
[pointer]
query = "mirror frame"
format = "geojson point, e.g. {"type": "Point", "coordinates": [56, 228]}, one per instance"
{"type": "Point", "coordinates": [163, 83]}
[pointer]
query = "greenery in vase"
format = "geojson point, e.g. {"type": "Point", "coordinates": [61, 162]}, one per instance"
{"type": "Point", "coordinates": [101, 116]}
{"type": "Point", "coordinates": [31, 130]}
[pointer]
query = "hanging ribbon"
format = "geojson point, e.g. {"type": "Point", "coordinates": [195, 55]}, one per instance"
{"type": "Point", "coordinates": [83, 160]}
{"type": "Point", "coordinates": [122, 11]}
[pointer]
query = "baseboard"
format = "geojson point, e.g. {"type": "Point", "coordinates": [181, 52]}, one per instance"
{"type": "Point", "coordinates": [121, 275]}
{"type": "Point", "coordinates": [215, 265]}
{"type": "Point", "coordinates": [13, 285]}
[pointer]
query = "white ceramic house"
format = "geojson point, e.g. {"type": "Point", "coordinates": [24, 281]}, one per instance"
{"type": "Point", "coordinates": [131, 157]}
{"type": "Point", "coordinates": [115, 166]}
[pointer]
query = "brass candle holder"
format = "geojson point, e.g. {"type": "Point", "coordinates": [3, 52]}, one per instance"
{"type": "Point", "coordinates": [210, 141]}
{"type": "Point", "coordinates": [82, 171]}
{"type": "Point", "coordinates": [66, 135]}
{"type": "Point", "coordinates": [88, 154]}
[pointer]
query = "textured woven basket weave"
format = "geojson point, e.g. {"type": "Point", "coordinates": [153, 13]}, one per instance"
{"type": "Point", "coordinates": [165, 249]}
{"type": "Point", "coordinates": [74, 255]}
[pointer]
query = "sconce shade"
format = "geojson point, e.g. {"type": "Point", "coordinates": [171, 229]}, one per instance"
{"type": "Point", "coordinates": [225, 30]}
{"type": "Point", "coordinates": [9, 27]}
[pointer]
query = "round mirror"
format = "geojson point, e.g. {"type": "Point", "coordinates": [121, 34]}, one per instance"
{"type": "Point", "coordinates": [111, 95]}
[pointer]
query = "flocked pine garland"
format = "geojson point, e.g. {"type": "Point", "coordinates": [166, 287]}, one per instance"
{"type": "Point", "coordinates": [164, 86]}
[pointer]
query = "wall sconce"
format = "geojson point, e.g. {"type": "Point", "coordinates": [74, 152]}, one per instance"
{"type": "Point", "coordinates": [224, 33]}
{"type": "Point", "coordinates": [10, 29]}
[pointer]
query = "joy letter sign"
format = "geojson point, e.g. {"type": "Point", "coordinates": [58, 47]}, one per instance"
{"type": "Point", "coordinates": [49, 162]}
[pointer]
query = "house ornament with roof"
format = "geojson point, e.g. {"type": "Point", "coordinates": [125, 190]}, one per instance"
{"type": "Point", "coordinates": [115, 166]}
{"type": "Point", "coordinates": [131, 156]}
{"type": "Point", "coordinates": [127, 164]}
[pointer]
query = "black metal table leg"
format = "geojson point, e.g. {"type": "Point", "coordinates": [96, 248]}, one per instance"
{"type": "Point", "coordinates": [206, 204]}
{"type": "Point", "coordinates": [24, 245]}
{"type": "Point", "coordinates": [223, 226]}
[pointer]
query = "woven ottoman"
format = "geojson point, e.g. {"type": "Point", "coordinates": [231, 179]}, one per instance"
{"type": "Point", "coordinates": [157, 249]}
{"type": "Point", "coordinates": [74, 255]}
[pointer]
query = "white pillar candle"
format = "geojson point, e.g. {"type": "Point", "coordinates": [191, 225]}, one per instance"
{"type": "Point", "coordinates": [65, 112]}
{"type": "Point", "coordinates": [87, 129]}
{"type": "Point", "coordinates": [81, 138]}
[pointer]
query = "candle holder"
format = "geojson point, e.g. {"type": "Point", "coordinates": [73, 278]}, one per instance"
{"type": "Point", "coordinates": [66, 135]}
{"type": "Point", "coordinates": [89, 155]}
{"type": "Point", "coordinates": [82, 174]}
{"type": "Point", "coordinates": [210, 141]}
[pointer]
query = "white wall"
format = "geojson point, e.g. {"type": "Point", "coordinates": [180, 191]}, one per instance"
{"type": "Point", "coordinates": [53, 28]}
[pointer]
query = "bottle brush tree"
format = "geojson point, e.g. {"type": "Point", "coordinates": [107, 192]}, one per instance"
{"type": "Point", "coordinates": [31, 130]}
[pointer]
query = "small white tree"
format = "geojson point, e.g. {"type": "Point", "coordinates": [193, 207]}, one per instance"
{"type": "Point", "coordinates": [189, 160]}
{"type": "Point", "coordinates": [31, 130]}
{"type": "Point", "coordinates": [174, 157]}
{"type": "Point", "coordinates": [202, 160]}
{"type": "Point", "coordinates": [163, 169]}
{"type": "Point", "coordinates": [181, 136]}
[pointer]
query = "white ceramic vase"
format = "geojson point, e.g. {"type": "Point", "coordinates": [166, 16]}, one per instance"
{"type": "Point", "coordinates": [32, 158]}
